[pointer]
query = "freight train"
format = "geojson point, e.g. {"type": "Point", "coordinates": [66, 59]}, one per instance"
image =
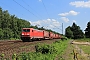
{"type": "Point", "coordinates": [30, 34]}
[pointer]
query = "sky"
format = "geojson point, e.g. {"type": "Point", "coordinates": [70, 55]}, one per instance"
{"type": "Point", "coordinates": [50, 14]}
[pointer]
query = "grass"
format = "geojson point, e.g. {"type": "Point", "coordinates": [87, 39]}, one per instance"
{"type": "Point", "coordinates": [83, 40]}
{"type": "Point", "coordinates": [85, 48]}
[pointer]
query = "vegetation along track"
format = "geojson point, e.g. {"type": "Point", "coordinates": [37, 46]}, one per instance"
{"type": "Point", "coordinates": [17, 46]}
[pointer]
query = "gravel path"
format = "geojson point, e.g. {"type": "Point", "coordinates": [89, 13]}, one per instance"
{"type": "Point", "coordinates": [80, 53]}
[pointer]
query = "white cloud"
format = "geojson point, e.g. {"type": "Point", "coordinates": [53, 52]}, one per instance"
{"type": "Point", "coordinates": [47, 23]}
{"type": "Point", "coordinates": [63, 14]}
{"type": "Point", "coordinates": [65, 19]}
{"type": "Point", "coordinates": [73, 12]}
{"type": "Point", "coordinates": [35, 23]}
{"type": "Point", "coordinates": [69, 13]}
{"type": "Point", "coordinates": [81, 4]}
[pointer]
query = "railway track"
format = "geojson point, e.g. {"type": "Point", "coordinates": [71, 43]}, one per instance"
{"type": "Point", "coordinates": [9, 42]}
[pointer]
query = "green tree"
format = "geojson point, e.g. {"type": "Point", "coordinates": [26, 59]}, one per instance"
{"type": "Point", "coordinates": [77, 32]}
{"type": "Point", "coordinates": [74, 32]}
{"type": "Point", "coordinates": [10, 25]}
{"type": "Point", "coordinates": [87, 30]}
{"type": "Point", "coordinates": [7, 33]}
{"type": "Point", "coordinates": [5, 19]}
{"type": "Point", "coordinates": [68, 32]}
{"type": "Point", "coordinates": [1, 16]}
{"type": "Point", "coordinates": [1, 34]}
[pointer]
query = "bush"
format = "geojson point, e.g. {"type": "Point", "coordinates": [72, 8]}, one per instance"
{"type": "Point", "coordinates": [64, 38]}
{"type": "Point", "coordinates": [45, 49]}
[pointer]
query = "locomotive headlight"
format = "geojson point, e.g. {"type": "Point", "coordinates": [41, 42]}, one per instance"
{"type": "Point", "coordinates": [22, 34]}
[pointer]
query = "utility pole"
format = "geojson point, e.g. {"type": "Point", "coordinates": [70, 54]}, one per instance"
{"type": "Point", "coordinates": [62, 28]}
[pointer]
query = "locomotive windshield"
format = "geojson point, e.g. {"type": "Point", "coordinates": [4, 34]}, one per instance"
{"type": "Point", "coordinates": [26, 30]}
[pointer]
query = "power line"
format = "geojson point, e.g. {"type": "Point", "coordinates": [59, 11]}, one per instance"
{"type": "Point", "coordinates": [61, 29]}
{"type": "Point", "coordinates": [25, 8]}
{"type": "Point", "coordinates": [12, 8]}
{"type": "Point", "coordinates": [30, 7]}
{"type": "Point", "coordinates": [45, 9]}
{"type": "Point", "coordinates": [49, 16]}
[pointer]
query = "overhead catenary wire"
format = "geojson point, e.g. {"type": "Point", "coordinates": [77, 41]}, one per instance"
{"type": "Point", "coordinates": [49, 15]}
{"type": "Point", "coordinates": [30, 7]}
{"type": "Point", "coordinates": [11, 8]}
{"type": "Point", "coordinates": [45, 8]}
{"type": "Point", "coordinates": [25, 9]}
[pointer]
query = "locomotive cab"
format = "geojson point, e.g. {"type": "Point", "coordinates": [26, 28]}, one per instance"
{"type": "Point", "coordinates": [25, 35]}
{"type": "Point", "coordinates": [30, 34]}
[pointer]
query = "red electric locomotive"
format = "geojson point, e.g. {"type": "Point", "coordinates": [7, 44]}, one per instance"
{"type": "Point", "coordinates": [28, 34]}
